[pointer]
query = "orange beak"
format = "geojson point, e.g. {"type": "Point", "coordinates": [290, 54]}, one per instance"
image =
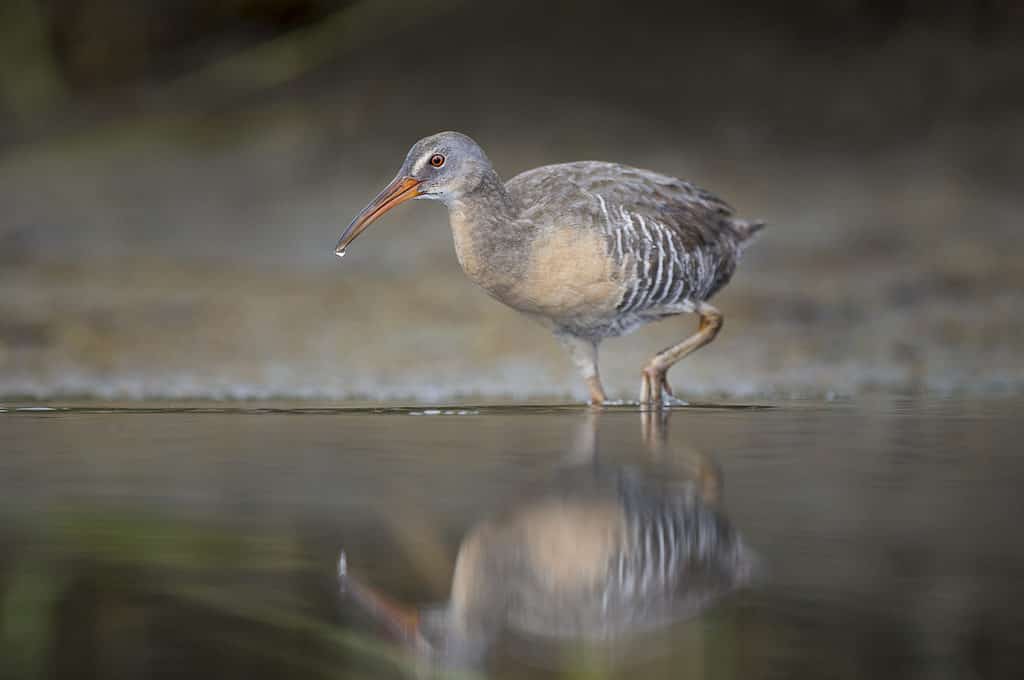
{"type": "Point", "coordinates": [401, 621]}
{"type": "Point", "coordinates": [399, 191]}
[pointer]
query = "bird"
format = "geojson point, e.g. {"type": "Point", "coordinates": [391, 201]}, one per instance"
{"type": "Point", "coordinates": [602, 554]}
{"type": "Point", "coordinates": [589, 249]}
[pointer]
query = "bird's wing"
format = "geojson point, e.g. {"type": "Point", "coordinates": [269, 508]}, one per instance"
{"type": "Point", "coordinates": [699, 216]}
{"type": "Point", "coordinates": [676, 242]}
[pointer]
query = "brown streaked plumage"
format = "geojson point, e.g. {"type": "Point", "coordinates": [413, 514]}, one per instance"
{"type": "Point", "coordinates": [589, 249]}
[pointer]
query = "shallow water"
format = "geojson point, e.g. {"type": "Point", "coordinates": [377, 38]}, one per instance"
{"type": "Point", "coordinates": [159, 540]}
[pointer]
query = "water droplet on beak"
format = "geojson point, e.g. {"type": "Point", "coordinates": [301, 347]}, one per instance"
{"type": "Point", "coordinates": [340, 253]}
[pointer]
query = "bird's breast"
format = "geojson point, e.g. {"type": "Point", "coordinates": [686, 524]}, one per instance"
{"type": "Point", "coordinates": [468, 250]}
{"type": "Point", "coordinates": [569, 276]}
{"type": "Point", "coordinates": [563, 274]}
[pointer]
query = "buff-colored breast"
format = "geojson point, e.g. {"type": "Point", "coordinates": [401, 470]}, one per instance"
{"type": "Point", "coordinates": [568, 546]}
{"type": "Point", "coordinates": [569, 275]}
{"type": "Point", "coordinates": [463, 232]}
{"type": "Point", "coordinates": [559, 548]}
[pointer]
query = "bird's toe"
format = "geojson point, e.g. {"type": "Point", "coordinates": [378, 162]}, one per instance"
{"type": "Point", "coordinates": [652, 386]}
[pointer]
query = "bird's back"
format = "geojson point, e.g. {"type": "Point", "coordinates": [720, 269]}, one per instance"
{"type": "Point", "coordinates": [670, 243]}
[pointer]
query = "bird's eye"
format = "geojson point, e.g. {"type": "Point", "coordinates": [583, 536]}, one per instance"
{"type": "Point", "coordinates": [437, 160]}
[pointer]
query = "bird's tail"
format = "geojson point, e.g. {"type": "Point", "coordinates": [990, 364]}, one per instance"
{"type": "Point", "coordinates": [746, 230]}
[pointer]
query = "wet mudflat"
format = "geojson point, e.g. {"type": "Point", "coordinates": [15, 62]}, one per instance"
{"type": "Point", "coordinates": [202, 540]}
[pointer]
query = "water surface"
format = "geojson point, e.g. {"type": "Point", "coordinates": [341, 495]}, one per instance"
{"type": "Point", "coordinates": [158, 540]}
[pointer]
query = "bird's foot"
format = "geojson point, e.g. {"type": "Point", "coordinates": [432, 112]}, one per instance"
{"type": "Point", "coordinates": [654, 388]}
{"type": "Point", "coordinates": [597, 395]}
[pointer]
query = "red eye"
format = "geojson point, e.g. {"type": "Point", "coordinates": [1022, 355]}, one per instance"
{"type": "Point", "coordinates": [437, 160]}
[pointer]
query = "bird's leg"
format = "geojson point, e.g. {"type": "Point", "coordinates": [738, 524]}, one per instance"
{"type": "Point", "coordinates": [584, 445]}
{"type": "Point", "coordinates": [597, 395]}
{"type": "Point", "coordinates": [695, 465]}
{"type": "Point", "coordinates": [654, 432]}
{"type": "Point", "coordinates": [655, 381]}
{"type": "Point", "coordinates": [584, 355]}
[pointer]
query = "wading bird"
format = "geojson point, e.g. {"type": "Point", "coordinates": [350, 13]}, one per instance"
{"type": "Point", "coordinates": [603, 554]}
{"type": "Point", "coordinates": [590, 249]}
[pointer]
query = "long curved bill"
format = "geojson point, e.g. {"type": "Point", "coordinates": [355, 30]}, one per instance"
{"type": "Point", "coordinates": [401, 621]}
{"type": "Point", "coordinates": [399, 191]}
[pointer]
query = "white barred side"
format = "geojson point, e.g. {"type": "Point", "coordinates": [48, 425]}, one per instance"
{"type": "Point", "coordinates": [663, 274]}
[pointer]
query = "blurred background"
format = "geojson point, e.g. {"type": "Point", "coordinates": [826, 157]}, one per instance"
{"type": "Point", "coordinates": [174, 175]}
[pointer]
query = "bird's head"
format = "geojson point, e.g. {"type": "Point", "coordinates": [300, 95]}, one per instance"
{"type": "Point", "coordinates": [432, 632]}
{"type": "Point", "coordinates": [442, 167]}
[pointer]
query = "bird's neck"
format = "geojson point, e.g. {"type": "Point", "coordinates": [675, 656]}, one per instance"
{"type": "Point", "coordinates": [489, 239]}
{"type": "Point", "coordinates": [488, 203]}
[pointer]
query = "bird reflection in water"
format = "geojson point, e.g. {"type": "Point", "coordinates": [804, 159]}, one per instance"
{"type": "Point", "coordinates": [605, 551]}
